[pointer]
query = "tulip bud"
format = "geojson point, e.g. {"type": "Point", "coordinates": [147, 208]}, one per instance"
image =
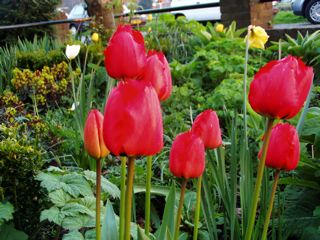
{"type": "Point", "coordinates": [95, 37]}
{"type": "Point", "coordinates": [125, 55]}
{"type": "Point", "coordinates": [93, 139]}
{"type": "Point", "coordinates": [206, 126]}
{"type": "Point", "coordinates": [72, 51]}
{"type": "Point", "coordinates": [280, 88]}
{"type": "Point", "coordinates": [219, 27]}
{"type": "Point", "coordinates": [132, 120]}
{"type": "Point", "coordinates": [284, 147]}
{"type": "Point", "coordinates": [157, 72]}
{"type": "Point", "coordinates": [187, 156]}
{"type": "Point", "coordinates": [257, 37]}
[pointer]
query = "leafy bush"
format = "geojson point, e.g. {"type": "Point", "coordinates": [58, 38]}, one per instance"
{"type": "Point", "coordinates": [25, 11]}
{"type": "Point", "coordinates": [43, 87]}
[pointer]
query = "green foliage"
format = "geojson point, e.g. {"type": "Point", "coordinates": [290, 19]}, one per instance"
{"type": "Point", "coordinates": [35, 60]}
{"type": "Point", "coordinates": [6, 211]}
{"type": "Point", "coordinates": [72, 198]}
{"type": "Point", "coordinates": [43, 87]}
{"type": "Point", "coordinates": [25, 11]}
{"type": "Point", "coordinates": [8, 232]}
{"type": "Point", "coordinates": [286, 17]}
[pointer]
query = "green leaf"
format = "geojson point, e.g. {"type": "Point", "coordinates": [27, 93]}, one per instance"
{"type": "Point", "coordinates": [73, 235]}
{"type": "Point", "coordinates": [52, 215]}
{"type": "Point", "coordinates": [299, 182]}
{"type": "Point", "coordinates": [76, 222]}
{"type": "Point", "coordinates": [6, 210]}
{"type": "Point", "coordinates": [158, 190]}
{"type": "Point", "coordinates": [76, 185]}
{"type": "Point", "coordinates": [49, 181]}
{"type": "Point", "coordinates": [109, 227]}
{"type": "Point", "coordinates": [142, 235]}
{"type": "Point", "coordinates": [107, 186]}
{"type": "Point", "coordinates": [59, 197]}
{"type": "Point", "coordinates": [74, 209]}
{"type": "Point", "coordinates": [168, 215]}
{"type": "Point", "coordinates": [8, 232]}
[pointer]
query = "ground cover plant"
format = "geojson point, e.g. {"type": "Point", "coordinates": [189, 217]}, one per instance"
{"type": "Point", "coordinates": [158, 140]}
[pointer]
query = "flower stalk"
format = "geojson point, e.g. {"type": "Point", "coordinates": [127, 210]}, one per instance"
{"type": "Point", "coordinates": [257, 187]}
{"type": "Point", "coordinates": [273, 193]}
{"type": "Point", "coordinates": [198, 208]}
{"type": "Point", "coordinates": [128, 204]}
{"type": "Point", "coordinates": [178, 219]}
{"type": "Point", "coordinates": [123, 196]}
{"type": "Point", "coordinates": [98, 199]}
{"type": "Point", "coordinates": [148, 195]}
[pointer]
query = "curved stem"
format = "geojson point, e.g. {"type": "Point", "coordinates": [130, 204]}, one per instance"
{"type": "Point", "coordinates": [148, 195]}
{"type": "Point", "coordinates": [198, 207]}
{"type": "Point", "coordinates": [98, 199]}
{"type": "Point", "coordinates": [129, 197]}
{"type": "Point", "coordinates": [245, 90]}
{"type": "Point", "coordinates": [257, 186]}
{"type": "Point", "coordinates": [123, 196]}
{"type": "Point", "coordinates": [273, 193]}
{"type": "Point", "coordinates": [178, 219]}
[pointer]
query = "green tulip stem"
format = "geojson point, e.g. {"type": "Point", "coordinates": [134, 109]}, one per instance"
{"type": "Point", "coordinates": [98, 199]}
{"type": "Point", "coordinates": [257, 186]}
{"type": "Point", "coordinates": [129, 189]}
{"type": "Point", "coordinates": [148, 195]}
{"type": "Point", "coordinates": [198, 207]}
{"type": "Point", "coordinates": [123, 196]}
{"type": "Point", "coordinates": [245, 90]}
{"type": "Point", "coordinates": [178, 219]}
{"type": "Point", "coordinates": [273, 193]}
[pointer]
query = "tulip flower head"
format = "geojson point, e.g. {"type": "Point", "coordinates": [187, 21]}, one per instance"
{"type": "Point", "coordinates": [280, 88]}
{"type": "Point", "coordinates": [72, 51]}
{"type": "Point", "coordinates": [93, 139]}
{"type": "Point", "coordinates": [95, 37]}
{"type": "Point", "coordinates": [132, 120]}
{"type": "Point", "coordinates": [219, 27]}
{"type": "Point", "coordinates": [187, 156]}
{"type": "Point", "coordinates": [157, 72]}
{"type": "Point", "coordinates": [284, 148]}
{"type": "Point", "coordinates": [257, 37]}
{"type": "Point", "coordinates": [125, 55]}
{"type": "Point", "coordinates": [206, 126]}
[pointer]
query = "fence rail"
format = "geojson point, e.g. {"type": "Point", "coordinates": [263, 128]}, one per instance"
{"type": "Point", "coordinates": [138, 12]}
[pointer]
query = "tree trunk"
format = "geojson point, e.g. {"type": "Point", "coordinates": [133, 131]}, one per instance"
{"type": "Point", "coordinates": [103, 12]}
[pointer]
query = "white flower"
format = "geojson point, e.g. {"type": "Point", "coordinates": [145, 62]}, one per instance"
{"type": "Point", "coordinates": [72, 51]}
{"type": "Point", "coordinates": [74, 106]}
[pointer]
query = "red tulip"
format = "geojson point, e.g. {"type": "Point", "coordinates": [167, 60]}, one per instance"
{"type": "Point", "coordinates": [93, 140]}
{"type": "Point", "coordinates": [284, 147]}
{"type": "Point", "coordinates": [207, 127]}
{"type": "Point", "coordinates": [187, 156]}
{"type": "Point", "coordinates": [157, 72]}
{"type": "Point", "coordinates": [132, 120]}
{"type": "Point", "coordinates": [125, 55]}
{"type": "Point", "coordinates": [280, 88]}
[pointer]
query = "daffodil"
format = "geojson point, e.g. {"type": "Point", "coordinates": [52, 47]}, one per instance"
{"type": "Point", "coordinates": [219, 27]}
{"type": "Point", "coordinates": [72, 51]}
{"type": "Point", "coordinates": [95, 37]}
{"type": "Point", "coordinates": [257, 37]}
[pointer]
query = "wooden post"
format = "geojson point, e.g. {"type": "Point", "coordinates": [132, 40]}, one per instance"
{"type": "Point", "coordinates": [103, 11]}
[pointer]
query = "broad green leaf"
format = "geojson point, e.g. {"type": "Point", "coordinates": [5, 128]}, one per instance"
{"type": "Point", "coordinates": [76, 185]}
{"type": "Point", "coordinates": [74, 209]}
{"type": "Point", "coordinates": [59, 197]}
{"type": "Point", "coordinates": [141, 235]}
{"type": "Point", "coordinates": [52, 214]}
{"type": "Point", "coordinates": [6, 210]}
{"type": "Point", "coordinates": [168, 219]}
{"type": "Point", "coordinates": [316, 212]}
{"type": "Point", "coordinates": [49, 181]}
{"type": "Point", "coordinates": [90, 234]}
{"type": "Point", "coordinates": [109, 226]}
{"type": "Point", "coordinates": [89, 202]}
{"type": "Point", "coordinates": [106, 185]}
{"type": "Point", "coordinates": [76, 222]}
{"type": "Point", "coordinates": [8, 232]}
{"type": "Point", "coordinates": [73, 235]}
{"type": "Point", "coordinates": [158, 190]}
{"type": "Point", "coordinates": [299, 182]}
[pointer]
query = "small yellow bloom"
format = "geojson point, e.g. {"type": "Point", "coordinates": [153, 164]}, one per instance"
{"type": "Point", "coordinates": [257, 37]}
{"type": "Point", "coordinates": [219, 27]}
{"type": "Point", "coordinates": [149, 17]}
{"type": "Point", "coordinates": [95, 37]}
{"type": "Point", "coordinates": [149, 29]}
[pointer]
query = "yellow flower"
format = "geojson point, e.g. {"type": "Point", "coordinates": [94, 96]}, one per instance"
{"type": "Point", "coordinates": [257, 37]}
{"type": "Point", "coordinates": [219, 27]}
{"type": "Point", "coordinates": [95, 37]}
{"type": "Point", "coordinates": [149, 17]}
{"type": "Point", "coordinates": [149, 30]}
